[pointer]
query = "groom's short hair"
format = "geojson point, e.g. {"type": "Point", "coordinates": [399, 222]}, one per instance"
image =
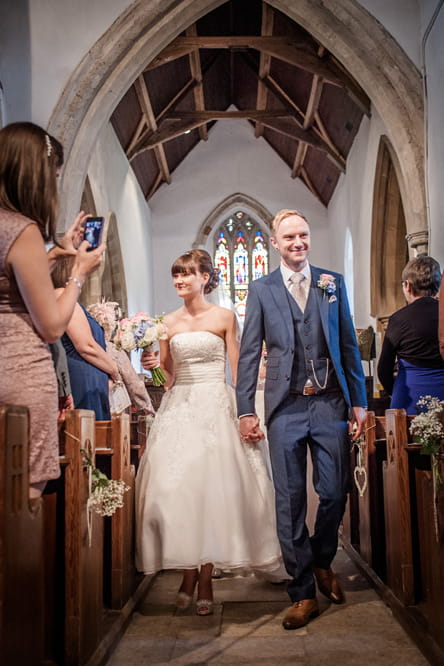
{"type": "Point", "coordinates": [282, 215]}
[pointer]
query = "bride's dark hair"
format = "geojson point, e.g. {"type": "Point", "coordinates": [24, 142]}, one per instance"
{"type": "Point", "coordinates": [195, 261]}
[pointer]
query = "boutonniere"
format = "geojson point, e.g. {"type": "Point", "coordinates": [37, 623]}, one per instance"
{"type": "Point", "coordinates": [326, 282]}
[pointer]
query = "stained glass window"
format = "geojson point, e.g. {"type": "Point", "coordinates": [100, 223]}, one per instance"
{"type": "Point", "coordinates": [241, 254]}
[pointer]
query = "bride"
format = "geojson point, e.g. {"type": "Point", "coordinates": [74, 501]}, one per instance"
{"type": "Point", "coordinates": [203, 496]}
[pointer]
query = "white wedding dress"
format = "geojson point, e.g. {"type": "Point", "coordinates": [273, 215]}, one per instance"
{"type": "Point", "coordinates": [202, 495]}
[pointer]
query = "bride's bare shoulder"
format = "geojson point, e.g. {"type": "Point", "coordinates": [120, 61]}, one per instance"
{"type": "Point", "coordinates": [224, 314]}
{"type": "Point", "coordinates": [171, 317]}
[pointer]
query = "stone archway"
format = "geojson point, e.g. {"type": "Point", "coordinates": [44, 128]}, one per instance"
{"type": "Point", "coordinates": [345, 28]}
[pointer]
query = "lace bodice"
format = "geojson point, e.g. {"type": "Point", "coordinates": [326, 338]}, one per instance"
{"type": "Point", "coordinates": [199, 356]}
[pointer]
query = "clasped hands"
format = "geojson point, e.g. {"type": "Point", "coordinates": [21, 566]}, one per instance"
{"type": "Point", "coordinates": [249, 429]}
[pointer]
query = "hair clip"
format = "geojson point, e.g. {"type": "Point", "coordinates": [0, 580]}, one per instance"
{"type": "Point", "coordinates": [48, 145]}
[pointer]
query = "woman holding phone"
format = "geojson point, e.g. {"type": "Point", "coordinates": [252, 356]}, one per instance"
{"type": "Point", "coordinates": [30, 314]}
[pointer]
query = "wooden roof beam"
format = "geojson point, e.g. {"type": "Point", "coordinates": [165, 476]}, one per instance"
{"type": "Point", "coordinates": [315, 96]}
{"type": "Point", "coordinates": [282, 48]}
{"type": "Point", "coordinates": [326, 136]}
{"type": "Point", "coordinates": [299, 159]}
{"type": "Point", "coordinates": [306, 179]}
{"type": "Point", "coordinates": [147, 110]}
{"type": "Point", "coordinates": [264, 65]}
{"type": "Point", "coordinates": [154, 186]}
{"type": "Point", "coordinates": [291, 129]}
{"type": "Point", "coordinates": [137, 134]}
{"type": "Point", "coordinates": [296, 113]}
{"type": "Point", "coordinates": [166, 132]}
{"type": "Point", "coordinates": [196, 73]}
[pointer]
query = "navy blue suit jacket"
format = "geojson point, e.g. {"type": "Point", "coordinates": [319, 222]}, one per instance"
{"type": "Point", "coordinates": [268, 317]}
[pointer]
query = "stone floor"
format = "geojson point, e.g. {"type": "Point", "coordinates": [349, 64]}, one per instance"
{"type": "Point", "coordinates": [246, 628]}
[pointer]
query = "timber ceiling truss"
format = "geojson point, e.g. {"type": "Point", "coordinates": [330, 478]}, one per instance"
{"type": "Point", "coordinates": [246, 56]}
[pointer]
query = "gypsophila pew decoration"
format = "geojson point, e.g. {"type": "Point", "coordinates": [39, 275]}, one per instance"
{"type": "Point", "coordinates": [105, 495]}
{"type": "Point", "coordinates": [142, 332]}
{"type": "Point", "coordinates": [428, 430]}
{"type": "Point", "coordinates": [327, 283]}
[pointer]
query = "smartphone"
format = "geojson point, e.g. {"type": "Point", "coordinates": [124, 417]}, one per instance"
{"type": "Point", "coordinates": [93, 231]}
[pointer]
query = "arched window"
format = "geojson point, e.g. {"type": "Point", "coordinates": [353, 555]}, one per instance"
{"type": "Point", "coordinates": [241, 254]}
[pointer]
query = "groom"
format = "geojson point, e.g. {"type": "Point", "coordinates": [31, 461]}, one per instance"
{"type": "Point", "coordinates": [314, 395]}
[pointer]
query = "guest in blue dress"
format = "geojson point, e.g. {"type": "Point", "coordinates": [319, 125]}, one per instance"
{"type": "Point", "coordinates": [89, 364]}
{"type": "Point", "coordinates": [411, 339]}
{"type": "Point", "coordinates": [88, 375]}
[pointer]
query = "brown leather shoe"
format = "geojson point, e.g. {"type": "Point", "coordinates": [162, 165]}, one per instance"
{"type": "Point", "coordinates": [300, 613]}
{"type": "Point", "coordinates": [328, 584]}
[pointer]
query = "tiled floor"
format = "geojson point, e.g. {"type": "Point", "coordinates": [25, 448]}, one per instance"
{"type": "Point", "coordinates": [246, 628]}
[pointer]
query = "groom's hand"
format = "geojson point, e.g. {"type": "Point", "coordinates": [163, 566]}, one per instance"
{"type": "Point", "coordinates": [249, 429]}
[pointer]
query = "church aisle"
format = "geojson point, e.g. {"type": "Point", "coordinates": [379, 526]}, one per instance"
{"type": "Point", "coordinates": [246, 628]}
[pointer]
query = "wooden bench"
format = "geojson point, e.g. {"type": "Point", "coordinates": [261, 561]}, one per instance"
{"type": "Point", "coordinates": [21, 563]}
{"type": "Point", "coordinates": [399, 546]}
{"type": "Point", "coordinates": [73, 551]}
{"type": "Point", "coordinates": [114, 458]}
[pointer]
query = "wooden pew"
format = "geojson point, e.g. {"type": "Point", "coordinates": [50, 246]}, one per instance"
{"type": "Point", "coordinates": [139, 427]}
{"type": "Point", "coordinates": [363, 525]}
{"type": "Point", "coordinates": [21, 564]}
{"type": "Point", "coordinates": [428, 542]}
{"type": "Point", "coordinates": [371, 502]}
{"type": "Point", "coordinates": [398, 521]}
{"type": "Point", "coordinates": [114, 458]}
{"type": "Point", "coordinates": [83, 545]}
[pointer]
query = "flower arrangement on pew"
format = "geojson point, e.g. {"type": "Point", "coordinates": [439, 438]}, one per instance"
{"type": "Point", "coordinates": [428, 430]}
{"type": "Point", "coordinates": [142, 332]}
{"type": "Point", "coordinates": [106, 495]}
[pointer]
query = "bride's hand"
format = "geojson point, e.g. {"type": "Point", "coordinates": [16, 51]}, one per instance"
{"type": "Point", "coordinates": [149, 360]}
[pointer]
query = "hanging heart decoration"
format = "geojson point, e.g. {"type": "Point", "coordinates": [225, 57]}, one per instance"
{"type": "Point", "coordinates": [360, 477]}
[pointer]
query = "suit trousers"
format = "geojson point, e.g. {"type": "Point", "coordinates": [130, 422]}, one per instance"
{"type": "Point", "coordinates": [320, 423]}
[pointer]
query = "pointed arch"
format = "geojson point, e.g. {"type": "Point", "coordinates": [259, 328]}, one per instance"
{"type": "Point", "coordinates": [344, 27]}
{"type": "Point", "coordinates": [389, 248]}
{"type": "Point", "coordinates": [225, 208]}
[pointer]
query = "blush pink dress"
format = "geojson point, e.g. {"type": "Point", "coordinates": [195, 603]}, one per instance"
{"type": "Point", "coordinates": [27, 375]}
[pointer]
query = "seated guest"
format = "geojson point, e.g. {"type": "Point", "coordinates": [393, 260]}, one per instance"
{"type": "Point", "coordinates": [106, 313]}
{"type": "Point", "coordinates": [411, 339]}
{"type": "Point", "coordinates": [90, 367]}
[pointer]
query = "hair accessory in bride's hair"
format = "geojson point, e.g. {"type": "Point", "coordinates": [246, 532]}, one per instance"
{"type": "Point", "coordinates": [48, 145]}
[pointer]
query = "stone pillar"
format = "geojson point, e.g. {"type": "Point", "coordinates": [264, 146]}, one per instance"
{"type": "Point", "coordinates": [418, 243]}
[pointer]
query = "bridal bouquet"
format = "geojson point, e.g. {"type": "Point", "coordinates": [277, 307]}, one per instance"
{"type": "Point", "coordinates": [141, 332]}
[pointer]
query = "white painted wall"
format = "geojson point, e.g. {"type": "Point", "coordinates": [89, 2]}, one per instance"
{"type": "Point", "coordinates": [402, 19]}
{"type": "Point", "coordinates": [116, 189]}
{"type": "Point", "coordinates": [434, 112]}
{"type": "Point", "coordinates": [351, 208]}
{"type": "Point", "coordinates": [41, 43]}
{"type": "Point", "coordinates": [232, 160]}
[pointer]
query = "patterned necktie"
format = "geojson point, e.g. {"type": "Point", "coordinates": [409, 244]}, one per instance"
{"type": "Point", "coordinates": [297, 289]}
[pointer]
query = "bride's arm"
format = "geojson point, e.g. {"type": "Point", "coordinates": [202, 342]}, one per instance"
{"type": "Point", "coordinates": [166, 362]}
{"type": "Point", "coordinates": [232, 345]}
{"type": "Point", "coordinates": [151, 360]}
